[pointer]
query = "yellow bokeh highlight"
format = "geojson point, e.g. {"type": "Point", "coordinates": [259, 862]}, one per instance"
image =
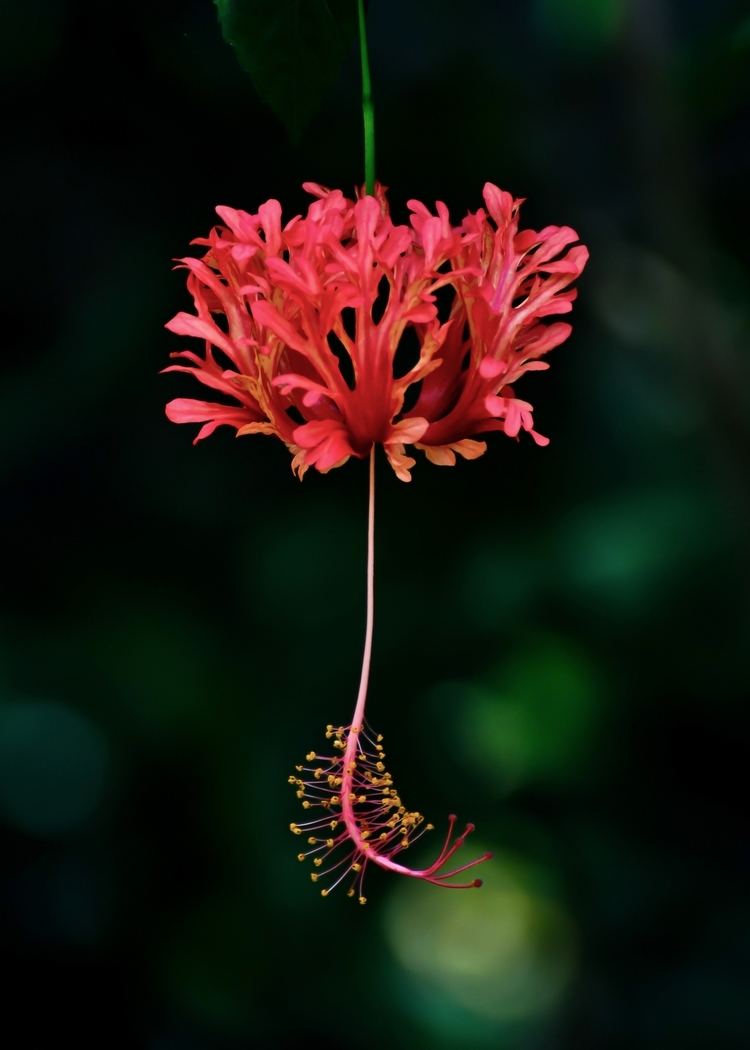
{"type": "Point", "coordinates": [505, 953]}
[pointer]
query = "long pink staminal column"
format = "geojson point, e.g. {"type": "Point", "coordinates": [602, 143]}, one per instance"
{"type": "Point", "coordinates": [376, 826]}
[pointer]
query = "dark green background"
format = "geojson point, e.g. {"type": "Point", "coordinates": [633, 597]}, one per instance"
{"type": "Point", "coordinates": [561, 637]}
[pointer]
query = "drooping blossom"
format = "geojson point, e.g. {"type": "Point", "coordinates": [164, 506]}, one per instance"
{"type": "Point", "coordinates": [302, 326]}
{"type": "Point", "coordinates": [302, 322]}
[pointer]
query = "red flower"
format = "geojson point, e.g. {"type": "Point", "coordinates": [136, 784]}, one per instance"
{"type": "Point", "coordinates": [302, 326]}
{"type": "Point", "coordinates": [313, 313]}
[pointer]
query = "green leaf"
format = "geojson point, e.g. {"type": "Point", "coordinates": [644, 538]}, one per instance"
{"type": "Point", "coordinates": [292, 49]}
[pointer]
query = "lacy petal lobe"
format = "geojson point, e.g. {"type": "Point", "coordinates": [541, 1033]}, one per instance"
{"type": "Point", "coordinates": [301, 323]}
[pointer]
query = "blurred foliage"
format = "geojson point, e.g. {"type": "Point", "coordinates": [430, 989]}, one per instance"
{"type": "Point", "coordinates": [561, 642]}
{"type": "Point", "coordinates": [291, 50]}
{"type": "Point", "coordinates": [585, 27]}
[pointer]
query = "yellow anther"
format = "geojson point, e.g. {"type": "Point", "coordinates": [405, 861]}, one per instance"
{"type": "Point", "coordinates": [335, 800]}
{"type": "Point", "coordinates": [350, 893]}
{"type": "Point", "coordinates": [306, 804]}
{"type": "Point", "coordinates": [292, 780]}
{"type": "Point", "coordinates": [380, 766]}
{"type": "Point", "coordinates": [430, 827]}
{"type": "Point", "coordinates": [334, 825]}
{"type": "Point", "coordinates": [380, 737]}
{"type": "Point", "coordinates": [313, 876]}
{"type": "Point", "coordinates": [300, 856]}
{"type": "Point", "coordinates": [383, 835]}
{"type": "Point", "coordinates": [312, 840]}
{"type": "Point", "coordinates": [352, 797]}
{"type": "Point", "coordinates": [355, 729]}
{"type": "Point", "coordinates": [356, 867]}
{"type": "Point", "coordinates": [363, 900]}
{"type": "Point", "coordinates": [295, 830]}
{"type": "Point", "coordinates": [404, 843]}
{"type": "Point", "coordinates": [365, 835]}
{"type": "Point", "coordinates": [318, 861]}
{"type": "Point", "coordinates": [310, 756]}
{"type": "Point", "coordinates": [300, 793]}
{"type": "Point", "coordinates": [329, 843]}
{"type": "Point", "coordinates": [362, 798]}
{"type": "Point", "coordinates": [324, 893]}
{"type": "Point", "coordinates": [318, 773]}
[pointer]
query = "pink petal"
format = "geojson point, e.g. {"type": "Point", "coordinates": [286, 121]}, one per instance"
{"type": "Point", "coordinates": [400, 462]}
{"type": "Point", "coordinates": [267, 315]}
{"type": "Point", "coordinates": [326, 442]}
{"type": "Point", "coordinates": [186, 410]}
{"type": "Point", "coordinates": [407, 431]}
{"type": "Point", "coordinates": [499, 203]}
{"type": "Point", "coordinates": [187, 324]}
{"type": "Point", "coordinates": [491, 367]}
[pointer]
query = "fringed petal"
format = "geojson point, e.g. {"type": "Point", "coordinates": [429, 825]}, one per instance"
{"type": "Point", "coordinates": [186, 410]}
{"type": "Point", "coordinates": [307, 319]}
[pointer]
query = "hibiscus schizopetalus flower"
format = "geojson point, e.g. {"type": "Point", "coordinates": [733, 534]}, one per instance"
{"type": "Point", "coordinates": [302, 324]}
{"type": "Point", "coordinates": [314, 311]}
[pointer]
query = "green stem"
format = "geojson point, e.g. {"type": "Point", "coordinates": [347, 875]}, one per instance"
{"type": "Point", "coordinates": [368, 112]}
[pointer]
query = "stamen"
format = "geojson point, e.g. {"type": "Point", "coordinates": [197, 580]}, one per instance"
{"type": "Point", "coordinates": [370, 822]}
{"type": "Point", "coordinates": [356, 790]}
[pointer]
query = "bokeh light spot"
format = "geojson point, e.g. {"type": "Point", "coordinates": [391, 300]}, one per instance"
{"type": "Point", "coordinates": [625, 552]}
{"type": "Point", "coordinates": [53, 764]}
{"type": "Point", "coordinates": [504, 954]}
{"type": "Point", "coordinates": [533, 720]}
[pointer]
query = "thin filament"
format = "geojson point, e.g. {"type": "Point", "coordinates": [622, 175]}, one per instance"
{"type": "Point", "coordinates": [359, 710]}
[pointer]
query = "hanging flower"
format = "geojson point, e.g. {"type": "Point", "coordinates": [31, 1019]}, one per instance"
{"type": "Point", "coordinates": [302, 324]}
